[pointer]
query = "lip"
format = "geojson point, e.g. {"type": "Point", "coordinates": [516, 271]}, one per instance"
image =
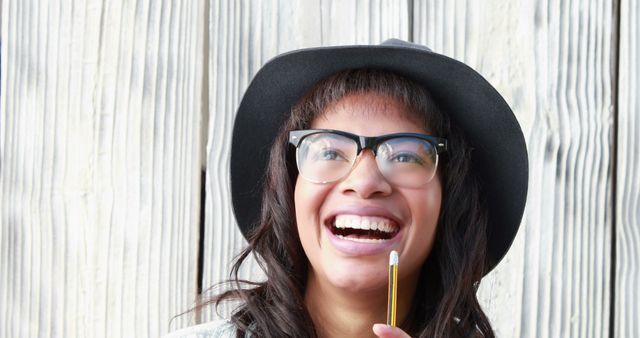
{"type": "Point", "coordinates": [351, 248]}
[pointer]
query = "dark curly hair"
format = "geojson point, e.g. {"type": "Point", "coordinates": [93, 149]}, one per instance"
{"type": "Point", "coordinates": [445, 303]}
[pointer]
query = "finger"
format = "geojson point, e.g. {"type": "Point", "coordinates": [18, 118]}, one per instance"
{"type": "Point", "coordinates": [386, 331]}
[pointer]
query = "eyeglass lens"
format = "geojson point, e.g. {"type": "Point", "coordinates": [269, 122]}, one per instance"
{"type": "Point", "coordinates": [327, 157]}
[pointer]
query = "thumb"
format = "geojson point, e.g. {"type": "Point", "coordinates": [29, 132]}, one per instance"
{"type": "Point", "coordinates": [387, 331]}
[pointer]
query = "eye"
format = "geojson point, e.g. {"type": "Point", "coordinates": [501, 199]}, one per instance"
{"type": "Point", "coordinates": [406, 157]}
{"type": "Point", "coordinates": [329, 155]}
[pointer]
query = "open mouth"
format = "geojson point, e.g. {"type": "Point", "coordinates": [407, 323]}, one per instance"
{"type": "Point", "coordinates": [367, 229]}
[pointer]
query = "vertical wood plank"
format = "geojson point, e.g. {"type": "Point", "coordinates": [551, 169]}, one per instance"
{"type": "Point", "coordinates": [552, 63]}
{"type": "Point", "coordinates": [627, 268]}
{"type": "Point", "coordinates": [100, 149]}
{"type": "Point", "coordinates": [244, 35]}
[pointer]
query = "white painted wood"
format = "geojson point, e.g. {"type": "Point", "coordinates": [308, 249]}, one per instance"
{"type": "Point", "coordinates": [101, 129]}
{"type": "Point", "coordinates": [100, 150]}
{"type": "Point", "coordinates": [552, 63]}
{"type": "Point", "coordinates": [244, 35]}
{"type": "Point", "coordinates": [627, 266]}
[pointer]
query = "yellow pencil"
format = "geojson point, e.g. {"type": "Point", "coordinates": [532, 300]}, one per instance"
{"type": "Point", "coordinates": [393, 288]}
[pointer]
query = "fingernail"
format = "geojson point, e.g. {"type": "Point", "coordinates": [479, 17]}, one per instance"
{"type": "Point", "coordinates": [381, 328]}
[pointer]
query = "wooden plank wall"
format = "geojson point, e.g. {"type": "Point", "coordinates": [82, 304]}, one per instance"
{"type": "Point", "coordinates": [552, 63]}
{"type": "Point", "coordinates": [244, 35]}
{"type": "Point", "coordinates": [101, 159]}
{"type": "Point", "coordinates": [627, 263]}
{"type": "Point", "coordinates": [109, 110]}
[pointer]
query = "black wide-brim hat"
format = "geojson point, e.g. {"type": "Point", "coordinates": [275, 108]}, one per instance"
{"type": "Point", "coordinates": [499, 150]}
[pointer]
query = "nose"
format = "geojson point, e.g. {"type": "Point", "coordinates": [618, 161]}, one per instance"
{"type": "Point", "coordinates": [365, 179]}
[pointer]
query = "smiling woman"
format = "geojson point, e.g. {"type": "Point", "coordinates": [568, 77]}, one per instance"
{"type": "Point", "coordinates": [373, 149]}
{"type": "Point", "coordinates": [348, 258]}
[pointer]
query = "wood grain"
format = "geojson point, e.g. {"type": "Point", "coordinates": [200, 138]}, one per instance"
{"type": "Point", "coordinates": [627, 266]}
{"type": "Point", "coordinates": [106, 108]}
{"type": "Point", "coordinates": [552, 64]}
{"type": "Point", "coordinates": [244, 35]}
{"type": "Point", "coordinates": [101, 154]}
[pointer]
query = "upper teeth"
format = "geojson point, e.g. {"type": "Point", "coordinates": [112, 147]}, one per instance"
{"type": "Point", "coordinates": [364, 223]}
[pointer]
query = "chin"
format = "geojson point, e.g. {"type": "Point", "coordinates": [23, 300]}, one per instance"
{"type": "Point", "coordinates": [358, 279]}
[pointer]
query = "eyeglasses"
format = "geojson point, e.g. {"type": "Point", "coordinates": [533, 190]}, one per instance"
{"type": "Point", "coordinates": [404, 159]}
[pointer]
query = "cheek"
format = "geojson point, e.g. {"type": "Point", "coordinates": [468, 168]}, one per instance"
{"type": "Point", "coordinates": [426, 207]}
{"type": "Point", "coordinates": [425, 210]}
{"type": "Point", "coordinates": [308, 201]}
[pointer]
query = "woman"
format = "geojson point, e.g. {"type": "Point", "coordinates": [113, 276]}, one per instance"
{"type": "Point", "coordinates": [372, 149]}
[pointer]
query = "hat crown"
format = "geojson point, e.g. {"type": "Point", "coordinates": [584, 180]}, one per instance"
{"type": "Point", "coordinates": [405, 44]}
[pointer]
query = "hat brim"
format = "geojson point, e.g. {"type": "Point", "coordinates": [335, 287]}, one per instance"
{"type": "Point", "coordinates": [499, 154]}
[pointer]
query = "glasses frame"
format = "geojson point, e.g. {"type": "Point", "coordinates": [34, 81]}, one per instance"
{"type": "Point", "coordinates": [367, 142]}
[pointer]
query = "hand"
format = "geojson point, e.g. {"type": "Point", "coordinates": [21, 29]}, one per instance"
{"type": "Point", "coordinates": [386, 331]}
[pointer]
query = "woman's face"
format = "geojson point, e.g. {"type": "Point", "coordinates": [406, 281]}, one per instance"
{"type": "Point", "coordinates": [362, 198]}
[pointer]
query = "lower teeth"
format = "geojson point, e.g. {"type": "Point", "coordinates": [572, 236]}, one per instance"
{"type": "Point", "coordinates": [361, 240]}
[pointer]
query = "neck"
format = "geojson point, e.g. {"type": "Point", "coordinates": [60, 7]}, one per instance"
{"type": "Point", "coordinates": [343, 313]}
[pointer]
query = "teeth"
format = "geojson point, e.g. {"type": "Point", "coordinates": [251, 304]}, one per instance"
{"type": "Point", "coordinates": [367, 224]}
{"type": "Point", "coordinates": [364, 223]}
{"type": "Point", "coordinates": [362, 240]}
{"type": "Point", "coordinates": [370, 225]}
{"type": "Point", "coordinates": [384, 227]}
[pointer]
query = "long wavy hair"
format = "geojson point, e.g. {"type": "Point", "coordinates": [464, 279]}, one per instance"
{"type": "Point", "coordinates": [445, 303]}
